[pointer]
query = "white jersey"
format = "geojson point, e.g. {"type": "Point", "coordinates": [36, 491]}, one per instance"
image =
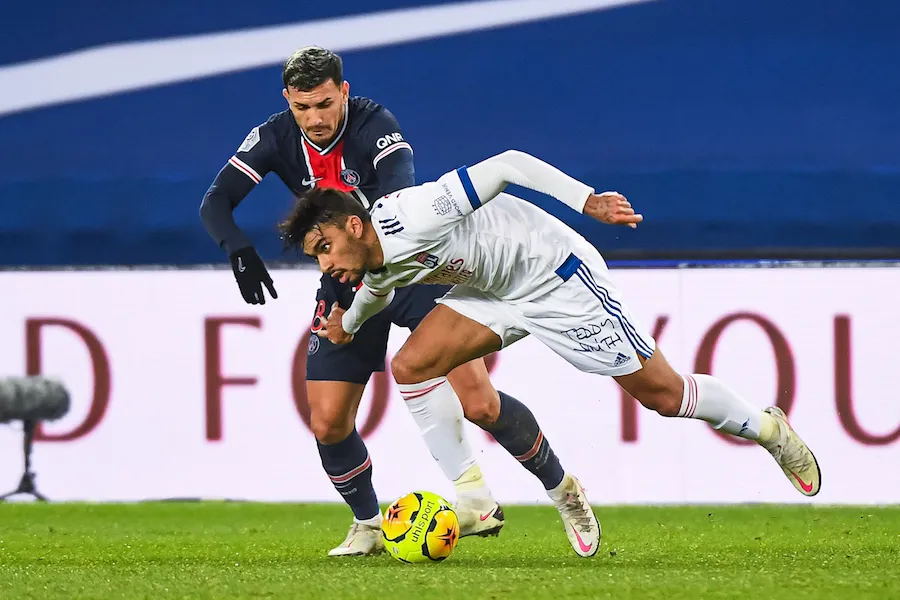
{"type": "Point", "coordinates": [517, 270]}
{"type": "Point", "coordinates": [443, 233]}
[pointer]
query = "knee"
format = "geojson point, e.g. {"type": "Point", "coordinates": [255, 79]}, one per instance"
{"type": "Point", "coordinates": [480, 406]}
{"type": "Point", "coordinates": [330, 427]}
{"type": "Point", "coordinates": [408, 368]}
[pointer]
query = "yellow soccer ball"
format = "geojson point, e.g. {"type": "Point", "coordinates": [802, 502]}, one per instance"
{"type": "Point", "coordinates": [420, 527]}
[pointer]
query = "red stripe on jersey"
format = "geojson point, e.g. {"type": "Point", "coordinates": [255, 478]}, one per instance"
{"type": "Point", "coordinates": [327, 167]}
{"type": "Point", "coordinates": [244, 168]}
{"type": "Point", "coordinates": [389, 150]}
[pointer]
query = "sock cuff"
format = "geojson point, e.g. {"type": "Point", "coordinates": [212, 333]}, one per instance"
{"type": "Point", "coordinates": [689, 399]}
{"type": "Point", "coordinates": [411, 391]}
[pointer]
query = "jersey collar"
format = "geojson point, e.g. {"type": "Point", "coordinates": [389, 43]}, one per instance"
{"type": "Point", "coordinates": [336, 139]}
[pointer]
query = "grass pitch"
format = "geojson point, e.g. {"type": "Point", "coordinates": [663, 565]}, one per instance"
{"type": "Point", "coordinates": [238, 551]}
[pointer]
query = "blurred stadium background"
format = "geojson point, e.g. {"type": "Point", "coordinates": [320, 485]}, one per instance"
{"type": "Point", "coordinates": [741, 129]}
{"type": "Point", "coordinates": [761, 140]}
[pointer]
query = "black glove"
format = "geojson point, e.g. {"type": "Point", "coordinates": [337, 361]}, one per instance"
{"type": "Point", "coordinates": [251, 275]}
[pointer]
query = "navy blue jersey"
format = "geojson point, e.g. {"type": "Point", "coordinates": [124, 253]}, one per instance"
{"type": "Point", "coordinates": [369, 158]}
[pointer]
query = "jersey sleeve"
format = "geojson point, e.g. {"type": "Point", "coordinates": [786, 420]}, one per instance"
{"type": "Point", "coordinates": [366, 304]}
{"type": "Point", "coordinates": [245, 169]}
{"type": "Point", "coordinates": [430, 210]}
{"type": "Point", "coordinates": [390, 153]}
{"type": "Point", "coordinates": [253, 157]}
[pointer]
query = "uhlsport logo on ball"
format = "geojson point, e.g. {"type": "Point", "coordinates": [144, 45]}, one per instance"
{"type": "Point", "coordinates": [420, 527]}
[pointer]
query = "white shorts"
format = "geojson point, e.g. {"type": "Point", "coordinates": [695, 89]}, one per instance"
{"type": "Point", "coordinates": [583, 320]}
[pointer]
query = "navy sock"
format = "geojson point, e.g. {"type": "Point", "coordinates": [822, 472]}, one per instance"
{"type": "Point", "coordinates": [518, 432]}
{"type": "Point", "coordinates": [350, 469]}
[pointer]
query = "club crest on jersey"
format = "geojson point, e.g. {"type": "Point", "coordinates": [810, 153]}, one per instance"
{"type": "Point", "coordinates": [429, 260]}
{"type": "Point", "coordinates": [350, 177]}
{"type": "Point", "coordinates": [313, 345]}
{"type": "Point", "coordinates": [442, 205]}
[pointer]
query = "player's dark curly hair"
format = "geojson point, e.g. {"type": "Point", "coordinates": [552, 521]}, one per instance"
{"type": "Point", "coordinates": [310, 67]}
{"type": "Point", "coordinates": [319, 206]}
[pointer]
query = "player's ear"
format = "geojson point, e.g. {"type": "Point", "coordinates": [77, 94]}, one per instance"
{"type": "Point", "coordinates": [355, 226]}
{"type": "Point", "coordinates": [284, 93]}
{"type": "Point", "coordinates": [345, 89]}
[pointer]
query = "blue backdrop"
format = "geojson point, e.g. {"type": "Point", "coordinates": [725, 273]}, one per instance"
{"type": "Point", "coordinates": [734, 127]}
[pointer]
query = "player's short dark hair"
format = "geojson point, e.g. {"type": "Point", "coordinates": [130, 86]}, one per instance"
{"type": "Point", "coordinates": [319, 206]}
{"type": "Point", "coordinates": [310, 67]}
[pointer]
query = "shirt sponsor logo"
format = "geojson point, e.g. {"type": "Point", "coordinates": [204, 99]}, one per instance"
{"type": "Point", "coordinates": [386, 140]}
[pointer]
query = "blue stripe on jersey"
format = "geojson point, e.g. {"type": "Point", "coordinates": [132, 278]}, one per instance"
{"type": "Point", "coordinates": [468, 187]}
{"type": "Point", "coordinates": [567, 269]}
{"type": "Point", "coordinates": [603, 296]}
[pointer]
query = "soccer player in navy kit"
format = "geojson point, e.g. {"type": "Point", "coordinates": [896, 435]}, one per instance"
{"type": "Point", "coordinates": [328, 139]}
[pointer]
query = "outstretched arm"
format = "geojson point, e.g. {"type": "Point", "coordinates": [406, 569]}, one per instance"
{"type": "Point", "coordinates": [491, 176]}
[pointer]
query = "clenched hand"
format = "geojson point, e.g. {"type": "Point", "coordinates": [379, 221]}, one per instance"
{"type": "Point", "coordinates": [612, 208]}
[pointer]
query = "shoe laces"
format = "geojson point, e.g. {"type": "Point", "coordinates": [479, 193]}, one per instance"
{"type": "Point", "coordinates": [575, 510]}
{"type": "Point", "coordinates": [790, 453]}
{"type": "Point", "coordinates": [354, 530]}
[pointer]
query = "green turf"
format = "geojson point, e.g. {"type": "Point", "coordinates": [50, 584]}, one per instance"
{"type": "Point", "coordinates": [237, 550]}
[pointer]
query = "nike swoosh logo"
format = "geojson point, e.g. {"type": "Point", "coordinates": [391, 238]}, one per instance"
{"type": "Point", "coordinates": [311, 181]}
{"type": "Point", "coordinates": [241, 267]}
{"type": "Point", "coordinates": [488, 514]}
{"type": "Point", "coordinates": [103, 70]}
{"type": "Point", "coordinates": [806, 487]}
{"type": "Point", "coordinates": [584, 547]}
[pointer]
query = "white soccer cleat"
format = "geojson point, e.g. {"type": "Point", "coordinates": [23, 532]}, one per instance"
{"type": "Point", "coordinates": [793, 455]}
{"type": "Point", "coordinates": [362, 540]}
{"type": "Point", "coordinates": [582, 526]}
{"type": "Point", "coordinates": [477, 520]}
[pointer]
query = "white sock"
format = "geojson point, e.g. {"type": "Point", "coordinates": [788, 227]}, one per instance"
{"type": "Point", "coordinates": [472, 488]}
{"type": "Point", "coordinates": [560, 492]}
{"type": "Point", "coordinates": [707, 398]}
{"type": "Point", "coordinates": [436, 410]}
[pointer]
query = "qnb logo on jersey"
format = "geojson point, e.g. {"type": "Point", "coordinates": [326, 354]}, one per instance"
{"type": "Point", "coordinates": [386, 140]}
{"type": "Point", "coordinates": [453, 273]}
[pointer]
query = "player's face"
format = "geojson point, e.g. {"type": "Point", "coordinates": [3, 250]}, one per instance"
{"type": "Point", "coordinates": [319, 112]}
{"type": "Point", "coordinates": [339, 250]}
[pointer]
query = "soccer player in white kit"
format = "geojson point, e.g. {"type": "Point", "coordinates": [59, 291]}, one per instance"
{"type": "Point", "coordinates": [517, 271]}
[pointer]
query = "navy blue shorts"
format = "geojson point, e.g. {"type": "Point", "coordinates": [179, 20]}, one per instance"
{"type": "Point", "coordinates": [355, 362]}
